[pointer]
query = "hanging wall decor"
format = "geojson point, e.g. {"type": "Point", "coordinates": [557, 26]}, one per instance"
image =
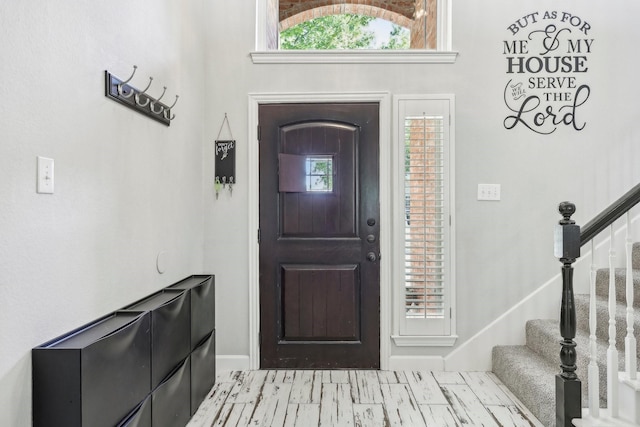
{"type": "Point", "coordinates": [225, 152]}
{"type": "Point", "coordinates": [139, 100]}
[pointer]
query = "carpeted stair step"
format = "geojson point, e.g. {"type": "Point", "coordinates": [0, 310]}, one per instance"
{"type": "Point", "coordinates": [529, 371]}
{"type": "Point", "coordinates": [602, 319]}
{"type": "Point", "coordinates": [602, 285]}
{"type": "Point", "coordinates": [543, 337]}
{"type": "Point", "coordinates": [530, 377]}
{"type": "Point", "coordinates": [635, 255]}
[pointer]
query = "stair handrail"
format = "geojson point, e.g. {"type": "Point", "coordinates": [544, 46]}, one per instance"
{"type": "Point", "coordinates": [609, 215]}
{"type": "Point", "coordinates": [569, 238]}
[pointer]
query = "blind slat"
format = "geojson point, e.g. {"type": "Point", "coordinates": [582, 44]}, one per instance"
{"type": "Point", "coordinates": [424, 217]}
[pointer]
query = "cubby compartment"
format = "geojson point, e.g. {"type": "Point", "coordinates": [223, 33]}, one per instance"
{"type": "Point", "coordinates": [203, 317]}
{"type": "Point", "coordinates": [140, 417]}
{"type": "Point", "coordinates": [170, 330]}
{"type": "Point", "coordinates": [171, 401]}
{"type": "Point", "coordinates": [203, 370]}
{"type": "Point", "coordinates": [95, 375]}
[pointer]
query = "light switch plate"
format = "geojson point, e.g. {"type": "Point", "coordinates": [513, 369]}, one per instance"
{"type": "Point", "coordinates": [489, 192]}
{"type": "Point", "coordinates": [45, 176]}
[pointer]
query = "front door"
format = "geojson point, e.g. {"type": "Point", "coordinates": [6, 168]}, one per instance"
{"type": "Point", "coordinates": [319, 230]}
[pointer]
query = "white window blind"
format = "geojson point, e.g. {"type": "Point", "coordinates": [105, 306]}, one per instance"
{"type": "Point", "coordinates": [424, 220]}
{"type": "Point", "coordinates": [423, 243]}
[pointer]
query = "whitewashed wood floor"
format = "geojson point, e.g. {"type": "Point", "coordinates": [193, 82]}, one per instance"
{"type": "Point", "coordinates": [360, 398]}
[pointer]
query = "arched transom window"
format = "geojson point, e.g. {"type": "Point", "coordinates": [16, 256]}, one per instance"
{"type": "Point", "coordinates": [409, 24]}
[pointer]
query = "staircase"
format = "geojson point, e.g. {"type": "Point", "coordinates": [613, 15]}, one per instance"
{"type": "Point", "coordinates": [529, 370]}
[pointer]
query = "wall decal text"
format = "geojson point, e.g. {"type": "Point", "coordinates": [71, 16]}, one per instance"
{"type": "Point", "coordinates": [546, 64]}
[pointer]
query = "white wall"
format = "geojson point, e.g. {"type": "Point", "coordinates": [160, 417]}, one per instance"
{"type": "Point", "coordinates": [504, 249]}
{"type": "Point", "coordinates": [126, 187]}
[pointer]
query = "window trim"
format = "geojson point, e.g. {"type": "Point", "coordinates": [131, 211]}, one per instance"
{"type": "Point", "coordinates": [399, 335]}
{"type": "Point", "coordinates": [370, 56]}
{"type": "Point", "coordinates": [442, 55]}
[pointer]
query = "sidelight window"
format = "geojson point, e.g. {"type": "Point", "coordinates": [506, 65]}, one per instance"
{"type": "Point", "coordinates": [424, 217]}
{"type": "Point", "coordinates": [424, 247]}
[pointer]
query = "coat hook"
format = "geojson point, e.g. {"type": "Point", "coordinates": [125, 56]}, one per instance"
{"type": "Point", "coordinates": [174, 102]}
{"type": "Point", "coordinates": [141, 93]}
{"type": "Point", "coordinates": [120, 91]}
{"type": "Point", "coordinates": [157, 100]}
{"type": "Point", "coordinates": [167, 110]}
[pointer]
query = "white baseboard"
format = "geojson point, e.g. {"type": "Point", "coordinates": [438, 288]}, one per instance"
{"type": "Point", "coordinates": [544, 303]}
{"type": "Point", "coordinates": [396, 363]}
{"type": "Point", "coordinates": [416, 363]}
{"type": "Point", "coordinates": [475, 353]}
{"type": "Point", "coordinates": [234, 362]}
{"type": "Point", "coordinates": [629, 398]}
{"type": "Point", "coordinates": [508, 329]}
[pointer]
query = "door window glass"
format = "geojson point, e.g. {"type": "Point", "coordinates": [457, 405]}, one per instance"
{"type": "Point", "coordinates": [319, 173]}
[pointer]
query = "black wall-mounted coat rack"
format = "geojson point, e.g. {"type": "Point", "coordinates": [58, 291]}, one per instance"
{"type": "Point", "coordinates": [120, 91]}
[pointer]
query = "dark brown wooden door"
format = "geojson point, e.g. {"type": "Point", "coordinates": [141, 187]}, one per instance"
{"type": "Point", "coordinates": [319, 230]}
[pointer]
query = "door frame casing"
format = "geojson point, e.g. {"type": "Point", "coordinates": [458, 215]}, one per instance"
{"type": "Point", "coordinates": [385, 153]}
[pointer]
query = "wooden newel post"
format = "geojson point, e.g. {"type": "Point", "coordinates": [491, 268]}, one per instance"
{"type": "Point", "coordinates": [568, 386]}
